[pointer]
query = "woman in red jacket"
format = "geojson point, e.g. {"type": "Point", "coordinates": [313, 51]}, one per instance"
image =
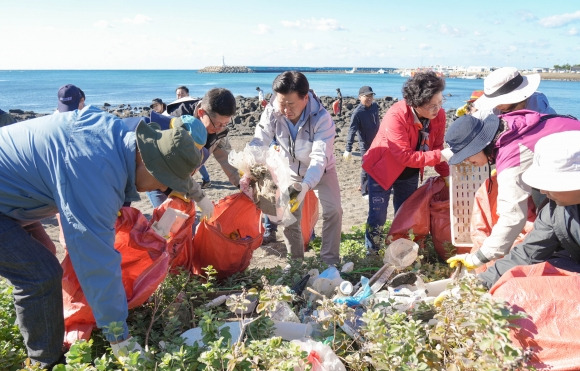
{"type": "Point", "coordinates": [410, 138]}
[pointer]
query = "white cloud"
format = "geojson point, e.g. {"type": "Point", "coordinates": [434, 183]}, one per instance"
{"type": "Point", "coordinates": [573, 31]}
{"type": "Point", "coordinates": [102, 24]}
{"type": "Point", "coordinates": [321, 24]}
{"type": "Point", "coordinates": [424, 46]}
{"type": "Point", "coordinates": [263, 29]}
{"type": "Point", "coordinates": [138, 19]}
{"type": "Point", "coordinates": [560, 20]}
{"type": "Point", "coordinates": [403, 28]}
{"type": "Point", "coordinates": [451, 31]}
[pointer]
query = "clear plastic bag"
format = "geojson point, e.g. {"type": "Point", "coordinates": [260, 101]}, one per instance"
{"type": "Point", "coordinates": [253, 157]}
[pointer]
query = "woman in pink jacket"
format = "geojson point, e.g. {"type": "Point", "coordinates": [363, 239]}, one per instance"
{"type": "Point", "coordinates": [410, 138]}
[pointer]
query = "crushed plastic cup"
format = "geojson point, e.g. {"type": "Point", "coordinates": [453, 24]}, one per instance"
{"type": "Point", "coordinates": [401, 253]}
{"type": "Point", "coordinates": [284, 313]}
{"type": "Point", "coordinates": [292, 330]}
{"type": "Point", "coordinates": [170, 222]}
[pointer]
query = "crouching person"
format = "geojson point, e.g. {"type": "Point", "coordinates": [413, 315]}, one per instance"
{"type": "Point", "coordinates": [555, 171]}
{"type": "Point", "coordinates": [82, 164]}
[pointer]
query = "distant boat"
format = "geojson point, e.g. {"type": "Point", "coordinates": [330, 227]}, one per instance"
{"type": "Point", "coordinates": [381, 71]}
{"type": "Point", "coordinates": [351, 71]}
{"type": "Point", "coordinates": [468, 77]}
{"type": "Point", "coordinates": [407, 73]}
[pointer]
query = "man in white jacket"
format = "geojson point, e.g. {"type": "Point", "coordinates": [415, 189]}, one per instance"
{"type": "Point", "coordinates": [305, 132]}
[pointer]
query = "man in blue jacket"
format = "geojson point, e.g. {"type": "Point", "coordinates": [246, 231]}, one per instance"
{"type": "Point", "coordinates": [365, 122]}
{"type": "Point", "coordinates": [82, 164]}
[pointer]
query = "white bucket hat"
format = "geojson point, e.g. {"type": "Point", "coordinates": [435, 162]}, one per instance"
{"type": "Point", "coordinates": [556, 165]}
{"type": "Point", "coordinates": [506, 86]}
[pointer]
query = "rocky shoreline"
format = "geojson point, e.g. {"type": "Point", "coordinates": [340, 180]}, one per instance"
{"type": "Point", "coordinates": [248, 114]}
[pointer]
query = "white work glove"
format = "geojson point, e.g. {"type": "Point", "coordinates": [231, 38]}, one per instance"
{"type": "Point", "coordinates": [446, 154]}
{"type": "Point", "coordinates": [303, 188]}
{"type": "Point", "coordinates": [469, 261]}
{"type": "Point", "coordinates": [206, 207]}
{"type": "Point", "coordinates": [347, 155]}
{"type": "Point", "coordinates": [125, 347]}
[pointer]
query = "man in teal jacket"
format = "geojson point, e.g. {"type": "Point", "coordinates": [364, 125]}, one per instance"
{"type": "Point", "coordinates": [82, 164]}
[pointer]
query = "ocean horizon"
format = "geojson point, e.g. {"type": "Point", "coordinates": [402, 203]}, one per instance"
{"type": "Point", "coordinates": [36, 90]}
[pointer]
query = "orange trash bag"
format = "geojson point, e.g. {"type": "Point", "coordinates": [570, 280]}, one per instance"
{"type": "Point", "coordinates": [425, 211]}
{"type": "Point", "coordinates": [310, 216]}
{"type": "Point", "coordinates": [180, 244]}
{"type": "Point", "coordinates": [144, 265]}
{"type": "Point", "coordinates": [228, 239]}
{"type": "Point", "coordinates": [484, 217]}
{"type": "Point", "coordinates": [335, 106]}
{"type": "Point", "coordinates": [550, 297]}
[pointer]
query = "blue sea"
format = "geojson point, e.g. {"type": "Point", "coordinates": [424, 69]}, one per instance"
{"type": "Point", "coordinates": [35, 90]}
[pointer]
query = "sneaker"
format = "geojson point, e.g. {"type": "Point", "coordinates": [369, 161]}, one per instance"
{"type": "Point", "coordinates": [205, 184]}
{"type": "Point", "coordinates": [366, 197]}
{"type": "Point", "coordinates": [269, 236]}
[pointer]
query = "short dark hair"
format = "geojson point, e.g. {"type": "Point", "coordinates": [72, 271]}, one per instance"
{"type": "Point", "coordinates": [183, 87]}
{"type": "Point", "coordinates": [219, 101]}
{"type": "Point", "coordinates": [290, 81]}
{"type": "Point", "coordinates": [422, 87]}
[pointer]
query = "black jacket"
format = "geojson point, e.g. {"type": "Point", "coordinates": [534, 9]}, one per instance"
{"type": "Point", "coordinates": [556, 234]}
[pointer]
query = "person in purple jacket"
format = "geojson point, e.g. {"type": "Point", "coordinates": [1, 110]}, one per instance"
{"type": "Point", "coordinates": [508, 141]}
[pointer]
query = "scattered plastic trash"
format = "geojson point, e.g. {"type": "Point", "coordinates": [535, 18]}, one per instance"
{"type": "Point", "coordinates": [284, 313]}
{"type": "Point", "coordinates": [401, 253]}
{"type": "Point", "coordinates": [320, 356]}
{"type": "Point", "coordinates": [347, 267]}
{"type": "Point", "coordinates": [359, 297]}
{"type": "Point", "coordinates": [292, 330]}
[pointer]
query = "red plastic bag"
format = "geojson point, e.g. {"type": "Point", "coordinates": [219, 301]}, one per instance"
{"type": "Point", "coordinates": [310, 215]}
{"type": "Point", "coordinates": [484, 217]}
{"type": "Point", "coordinates": [179, 245]}
{"type": "Point", "coordinates": [335, 107]}
{"type": "Point", "coordinates": [144, 265]}
{"type": "Point", "coordinates": [425, 211]}
{"type": "Point", "coordinates": [551, 297]}
{"type": "Point", "coordinates": [228, 240]}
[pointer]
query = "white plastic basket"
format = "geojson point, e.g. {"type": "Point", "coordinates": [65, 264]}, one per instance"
{"type": "Point", "coordinates": [464, 181]}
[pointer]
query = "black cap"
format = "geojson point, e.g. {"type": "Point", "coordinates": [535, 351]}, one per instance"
{"type": "Point", "coordinates": [365, 90]}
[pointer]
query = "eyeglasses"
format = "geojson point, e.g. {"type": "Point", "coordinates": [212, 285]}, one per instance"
{"type": "Point", "coordinates": [434, 107]}
{"type": "Point", "coordinates": [219, 125]}
{"type": "Point", "coordinates": [369, 96]}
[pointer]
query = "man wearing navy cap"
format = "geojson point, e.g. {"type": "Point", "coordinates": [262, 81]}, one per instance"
{"type": "Point", "coordinates": [365, 122]}
{"type": "Point", "coordinates": [70, 98]}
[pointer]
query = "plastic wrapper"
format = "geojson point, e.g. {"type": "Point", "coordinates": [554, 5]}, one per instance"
{"type": "Point", "coordinates": [267, 172]}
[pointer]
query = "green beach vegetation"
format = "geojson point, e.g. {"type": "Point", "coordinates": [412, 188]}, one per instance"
{"type": "Point", "coordinates": [468, 331]}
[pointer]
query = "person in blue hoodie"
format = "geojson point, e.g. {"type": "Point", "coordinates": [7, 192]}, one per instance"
{"type": "Point", "coordinates": [83, 164]}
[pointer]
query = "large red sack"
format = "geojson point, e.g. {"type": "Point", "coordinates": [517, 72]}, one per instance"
{"type": "Point", "coordinates": [180, 244]}
{"type": "Point", "coordinates": [310, 216]}
{"type": "Point", "coordinates": [426, 211]}
{"type": "Point", "coordinates": [144, 265]}
{"type": "Point", "coordinates": [335, 107]}
{"type": "Point", "coordinates": [484, 217]}
{"type": "Point", "coordinates": [228, 239]}
{"type": "Point", "coordinates": [551, 298]}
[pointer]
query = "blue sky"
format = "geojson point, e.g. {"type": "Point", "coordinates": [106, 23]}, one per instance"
{"type": "Point", "coordinates": [41, 34]}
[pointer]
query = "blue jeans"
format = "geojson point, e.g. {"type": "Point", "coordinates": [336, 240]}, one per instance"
{"type": "Point", "coordinates": [378, 204]}
{"type": "Point", "coordinates": [204, 173]}
{"type": "Point", "coordinates": [268, 225]}
{"type": "Point", "coordinates": [156, 197]}
{"type": "Point", "coordinates": [36, 275]}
